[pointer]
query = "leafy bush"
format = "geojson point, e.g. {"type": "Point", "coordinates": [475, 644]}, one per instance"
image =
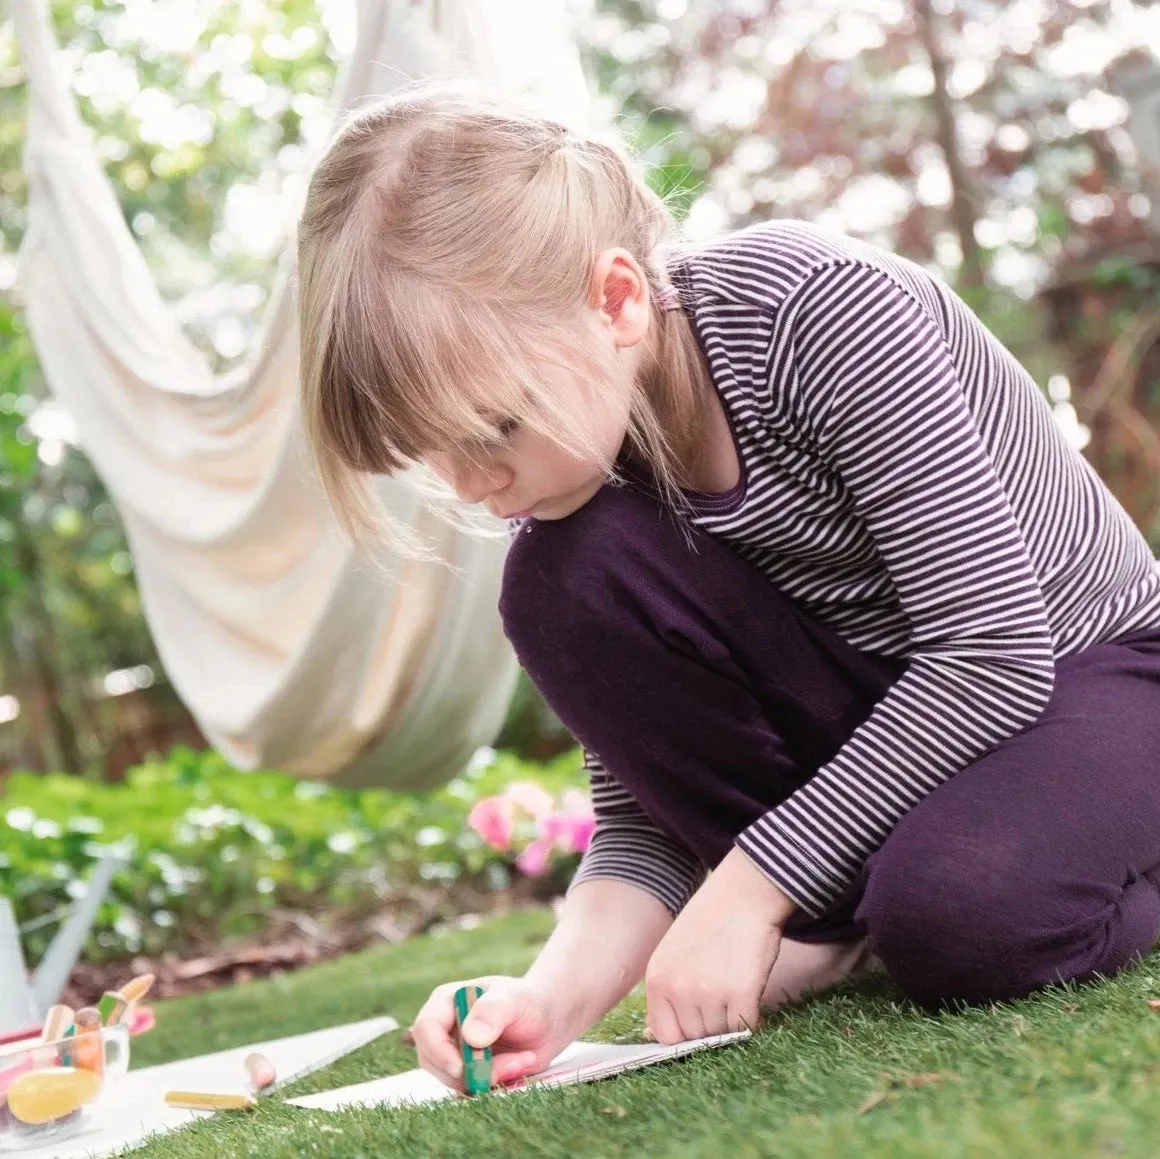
{"type": "Point", "coordinates": [215, 854]}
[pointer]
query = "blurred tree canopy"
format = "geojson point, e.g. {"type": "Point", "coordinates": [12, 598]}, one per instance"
{"type": "Point", "coordinates": [986, 139]}
{"type": "Point", "coordinates": [979, 137]}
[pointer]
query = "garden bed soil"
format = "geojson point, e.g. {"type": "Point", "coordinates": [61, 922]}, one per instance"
{"type": "Point", "coordinates": [294, 941]}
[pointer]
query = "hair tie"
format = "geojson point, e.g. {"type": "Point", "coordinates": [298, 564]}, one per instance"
{"type": "Point", "coordinates": [667, 298]}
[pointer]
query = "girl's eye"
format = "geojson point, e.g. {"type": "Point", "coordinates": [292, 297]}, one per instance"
{"type": "Point", "coordinates": [507, 427]}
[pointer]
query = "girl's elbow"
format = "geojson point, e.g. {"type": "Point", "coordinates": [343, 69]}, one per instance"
{"type": "Point", "coordinates": [1040, 685]}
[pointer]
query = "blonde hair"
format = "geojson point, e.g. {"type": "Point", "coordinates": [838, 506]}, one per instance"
{"type": "Point", "coordinates": [445, 259]}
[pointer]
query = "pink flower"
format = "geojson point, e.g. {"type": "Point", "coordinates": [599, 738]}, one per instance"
{"type": "Point", "coordinates": [571, 832]}
{"type": "Point", "coordinates": [527, 795]}
{"type": "Point", "coordinates": [492, 818]}
{"type": "Point", "coordinates": [575, 801]}
{"type": "Point", "coordinates": [534, 860]}
{"type": "Point", "coordinates": [583, 826]}
{"type": "Point", "coordinates": [572, 827]}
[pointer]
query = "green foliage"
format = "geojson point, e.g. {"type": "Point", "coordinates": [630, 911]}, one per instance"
{"type": "Point", "coordinates": [1126, 273]}
{"type": "Point", "coordinates": [215, 854]}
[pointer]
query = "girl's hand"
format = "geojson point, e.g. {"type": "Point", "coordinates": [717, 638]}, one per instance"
{"type": "Point", "coordinates": [513, 1017]}
{"type": "Point", "coordinates": [709, 971]}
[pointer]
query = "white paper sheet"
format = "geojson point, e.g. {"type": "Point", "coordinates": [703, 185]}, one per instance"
{"type": "Point", "coordinates": [581, 1062]}
{"type": "Point", "coordinates": [135, 1109]}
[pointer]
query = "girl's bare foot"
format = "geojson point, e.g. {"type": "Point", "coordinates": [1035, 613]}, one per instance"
{"type": "Point", "coordinates": [811, 967]}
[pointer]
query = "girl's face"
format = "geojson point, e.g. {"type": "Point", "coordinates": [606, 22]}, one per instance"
{"type": "Point", "coordinates": [526, 473]}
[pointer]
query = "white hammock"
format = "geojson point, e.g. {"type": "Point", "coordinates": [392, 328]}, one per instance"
{"type": "Point", "coordinates": [286, 651]}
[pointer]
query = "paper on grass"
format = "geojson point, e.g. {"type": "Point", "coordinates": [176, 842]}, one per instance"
{"type": "Point", "coordinates": [134, 1109]}
{"type": "Point", "coordinates": [582, 1062]}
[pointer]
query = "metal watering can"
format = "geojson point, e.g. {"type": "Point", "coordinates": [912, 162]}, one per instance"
{"type": "Point", "coordinates": [25, 1001]}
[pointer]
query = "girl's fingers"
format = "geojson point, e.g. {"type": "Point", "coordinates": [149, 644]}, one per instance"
{"type": "Point", "coordinates": [505, 1068]}
{"type": "Point", "coordinates": [513, 1065]}
{"type": "Point", "coordinates": [432, 1032]}
{"type": "Point", "coordinates": [436, 1035]}
{"type": "Point", "coordinates": [491, 1015]}
{"type": "Point", "coordinates": [662, 1021]}
{"type": "Point", "coordinates": [441, 1057]}
{"type": "Point", "coordinates": [693, 1021]}
{"type": "Point", "coordinates": [742, 1017]}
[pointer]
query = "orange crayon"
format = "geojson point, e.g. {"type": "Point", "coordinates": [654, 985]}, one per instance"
{"type": "Point", "coordinates": [87, 1050]}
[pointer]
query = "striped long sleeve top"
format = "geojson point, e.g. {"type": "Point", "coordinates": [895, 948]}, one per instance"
{"type": "Point", "coordinates": [905, 482]}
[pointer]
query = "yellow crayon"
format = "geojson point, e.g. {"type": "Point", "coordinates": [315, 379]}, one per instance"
{"type": "Point", "coordinates": [206, 1101]}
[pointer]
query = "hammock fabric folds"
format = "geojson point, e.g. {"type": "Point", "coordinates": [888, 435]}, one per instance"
{"type": "Point", "coordinates": [288, 652]}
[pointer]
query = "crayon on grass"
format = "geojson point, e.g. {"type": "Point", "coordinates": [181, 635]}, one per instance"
{"type": "Point", "coordinates": [260, 1071]}
{"type": "Point", "coordinates": [476, 1061]}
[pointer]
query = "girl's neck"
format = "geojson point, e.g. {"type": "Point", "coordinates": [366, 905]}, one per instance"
{"type": "Point", "coordinates": [716, 466]}
{"type": "Point", "coordinates": [678, 383]}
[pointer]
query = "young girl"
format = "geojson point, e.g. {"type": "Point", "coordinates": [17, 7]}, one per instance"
{"type": "Point", "coordinates": [802, 560]}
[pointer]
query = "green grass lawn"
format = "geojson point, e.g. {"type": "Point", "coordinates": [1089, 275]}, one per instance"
{"type": "Point", "coordinates": [1073, 1072]}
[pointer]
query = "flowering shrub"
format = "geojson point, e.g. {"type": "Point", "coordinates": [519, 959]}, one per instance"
{"type": "Point", "coordinates": [213, 853]}
{"type": "Point", "coordinates": [526, 816]}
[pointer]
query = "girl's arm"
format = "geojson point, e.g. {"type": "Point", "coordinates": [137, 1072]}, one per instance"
{"type": "Point", "coordinates": [598, 951]}
{"type": "Point", "coordinates": [628, 846]}
{"type": "Point", "coordinates": [878, 395]}
{"type": "Point", "coordinates": [633, 879]}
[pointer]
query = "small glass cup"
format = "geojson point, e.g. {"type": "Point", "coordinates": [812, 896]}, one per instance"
{"type": "Point", "coordinates": [49, 1090]}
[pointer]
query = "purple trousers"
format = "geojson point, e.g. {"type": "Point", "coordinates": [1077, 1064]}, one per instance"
{"type": "Point", "coordinates": [712, 697]}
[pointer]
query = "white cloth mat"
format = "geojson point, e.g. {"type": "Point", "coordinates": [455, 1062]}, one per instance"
{"type": "Point", "coordinates": [134, 1109]}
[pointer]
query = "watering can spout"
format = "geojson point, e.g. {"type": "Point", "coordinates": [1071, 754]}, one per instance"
{"type": "Point", "coordinates": [56, 966]}
{"type": "Point", "coordinates": [17, 1008]}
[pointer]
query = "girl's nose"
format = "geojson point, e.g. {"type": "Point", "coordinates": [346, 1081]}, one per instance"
{"type": "Point", "coordinates": [473, 484]}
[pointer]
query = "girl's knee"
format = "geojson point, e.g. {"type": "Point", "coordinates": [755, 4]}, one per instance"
{"type": "Point", "coordinates": [582, 595]}
{"type": "Point", "coordinates": [606, 540]}
{"type": "Point", "coordinates": [952, 922]}
{"type": "Point", "coordinates": [969, 922]}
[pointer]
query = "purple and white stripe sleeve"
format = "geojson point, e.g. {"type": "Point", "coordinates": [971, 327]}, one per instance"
{"type": "Point", "coordinates": [628, 846]}
{"type": "Point", "coordinates": [877, 393]}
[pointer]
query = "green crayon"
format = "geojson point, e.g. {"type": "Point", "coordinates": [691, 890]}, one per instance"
{"type": "Point", "coordinates": [112, 1007]}
{"type": "Point", "coordinates": [476, 1062]}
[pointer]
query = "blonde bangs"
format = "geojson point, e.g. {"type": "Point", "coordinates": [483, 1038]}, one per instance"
{"type": "Point", "coordinates": [426, 370]}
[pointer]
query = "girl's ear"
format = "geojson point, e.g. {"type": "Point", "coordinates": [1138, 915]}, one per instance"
{"type": "Point", "coordinates": [620, 295]}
